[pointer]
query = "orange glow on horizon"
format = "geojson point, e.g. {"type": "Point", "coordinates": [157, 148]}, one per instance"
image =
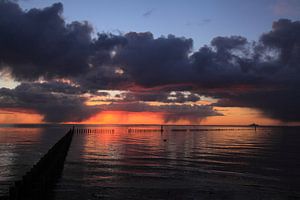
{"type": "Point", "coordinates": [232, 116]}
{"type": "Point", "coordinates": [13, 116]}
{"type": "Point", "coordinates": [122, 117]}
{"type": "Point", "coordinates": [239, 116]}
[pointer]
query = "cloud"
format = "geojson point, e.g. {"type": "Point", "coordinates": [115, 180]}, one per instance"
{"type": "Point", "coordinates": [285, 37]}
{"type": "Point", "coordinates": [54, 103]}
{"type": "Point", "coordinates": [161, 96]}
{"type": "Point", "coordinates": [278, 104]}
{"type": "Point", "coordinates": [39, 44]}
{"type": "Point", "coordinates": [171, 113]}
{"type": "Point", "coordinates": [60, 102]}
{"type": "Point", "coordinates": [229, 64]}
{"type": "Point", "coordinates": [148, 13]}
{"type": "Point", "coordinates": [151, 62]}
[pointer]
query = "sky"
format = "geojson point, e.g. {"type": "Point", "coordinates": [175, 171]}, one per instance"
{"type": "Point", "coordinates": [183, 62]}
{"type": "Point", "coordinates": [200, 20]}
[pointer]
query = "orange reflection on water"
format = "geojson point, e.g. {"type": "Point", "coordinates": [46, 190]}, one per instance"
{"type": "Point", "coordinates": [120, 145]}
{"type": "Point", "coordinates": [122, 153]}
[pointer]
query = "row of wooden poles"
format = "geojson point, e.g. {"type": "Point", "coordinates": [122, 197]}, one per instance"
{"type": "Point", "coordinates": [38, 182]}
{"type": "Point", "coordinates": [86, 130]}
{"type": "Point", "coordinates": [106, 130]}
{"type": "Point", "coordinates": [134, 130]}
{"type": "Point", "coordinates": [130, 130]}
{"type": "Point", "coordinates": [141, 130]}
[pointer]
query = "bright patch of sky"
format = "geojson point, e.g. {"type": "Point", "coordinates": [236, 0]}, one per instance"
{"type": "Point", "coordinates": [6, 80]}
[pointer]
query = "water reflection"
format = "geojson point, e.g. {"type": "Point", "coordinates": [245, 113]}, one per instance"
{"type": "Point", "coordinates": [20, 148]}
{"type": "Point", "coordinates": [213, 164]}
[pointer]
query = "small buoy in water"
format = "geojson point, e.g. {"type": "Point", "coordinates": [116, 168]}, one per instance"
{"type": "Point", "coordinates": [165, 140]}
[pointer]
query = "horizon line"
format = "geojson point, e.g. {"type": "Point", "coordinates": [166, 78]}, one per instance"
{"type": "Point", "coordinates": [74, 124]}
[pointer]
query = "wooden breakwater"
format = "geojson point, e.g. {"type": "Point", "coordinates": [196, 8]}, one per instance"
{"type": "Point", "coordinates": [145, 130]}
{"type": "Point", "coordinates": [140, 130]}
{"type": "Point", "coordinates": [37, 184]}
{"type": "Point", "coordinates": [88, 131]}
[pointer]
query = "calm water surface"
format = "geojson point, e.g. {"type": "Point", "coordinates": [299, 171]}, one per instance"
{"type": "Point", "coordinates": [214, 163]}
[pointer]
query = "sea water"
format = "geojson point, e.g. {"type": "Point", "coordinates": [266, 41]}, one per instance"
{"type": "Point", "coordinates": [141, 162]}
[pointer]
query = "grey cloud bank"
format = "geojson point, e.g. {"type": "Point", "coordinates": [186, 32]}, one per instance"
{"type": "Point", "coordinates": [39, 44]}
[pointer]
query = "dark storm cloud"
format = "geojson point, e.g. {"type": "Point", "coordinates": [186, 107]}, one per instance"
{"type": "Point", "coordinates": [151, 62]}
{"type": "Point", "coordinates": [280, 99]}
{"type": "Point", "coordinates": [193, 114]}
{"type": "Point", "coordinates": [164, 97]}
{"type": "Point", "coordinates": [225, 44]}
{"type": "Point", "coordinates": [276, 60]}
{"type": "Point", "coordinates": [58, 102]}
{"type": "Point", "coordinates": [38, 43]}
{"type": "Point", "coordinates": [285, 36]}
{"type": "Point", "coordinates": [171, 113]}
{"type": "Point", "coordinates": [263, 75]}
{"type": "Point", "coordinates": [54, 106]}
{"type": "Point", "coordinates": [51, 87]}
{"type": "Point", "coordinates": [279, 104]}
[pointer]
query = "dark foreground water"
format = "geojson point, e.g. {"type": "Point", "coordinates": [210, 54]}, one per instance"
{"type": "Point", "coordinates": [210, 163]}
